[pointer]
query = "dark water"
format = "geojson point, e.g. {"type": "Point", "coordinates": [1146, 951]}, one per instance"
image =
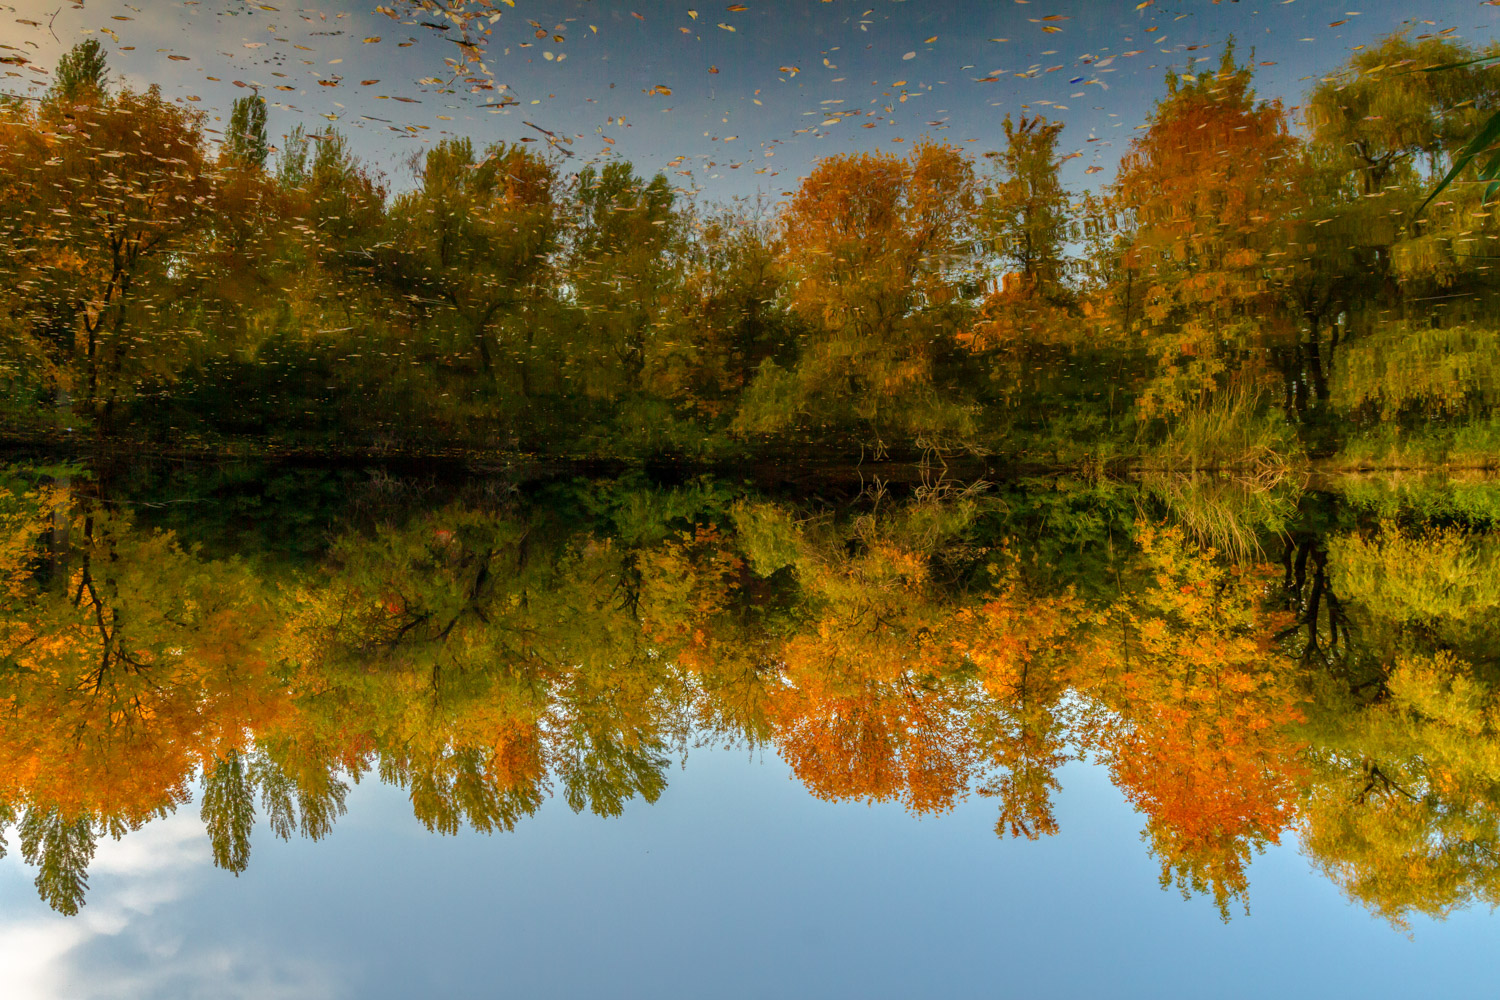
{"type": "Point", "coordinates": [647, 737]}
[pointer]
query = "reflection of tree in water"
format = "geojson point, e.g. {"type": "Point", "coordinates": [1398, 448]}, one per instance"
{"type": "Point", "coordinates": [485, 656]}
{"type": "Point", "coordinates": [1403, 809]}
{"type": "Point", "coordinates": [124, 659]}
{"type": "Point", "coordinates": [1322, 624]}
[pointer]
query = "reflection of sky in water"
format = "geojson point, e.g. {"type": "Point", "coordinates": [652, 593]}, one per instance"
{"type": "Point", "coordinates": [984, 58]}
{"type": "Point", "coordinates": [141, 934]}
{"type": "Point", "coordinates": [736, 884]}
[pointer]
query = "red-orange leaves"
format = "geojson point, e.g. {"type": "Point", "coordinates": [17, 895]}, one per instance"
{"type": "Point", "coordinates": [1201, 702]}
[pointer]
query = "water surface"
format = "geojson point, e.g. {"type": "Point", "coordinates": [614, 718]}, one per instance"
{"type": "Point", "coordinates": [643, 737]}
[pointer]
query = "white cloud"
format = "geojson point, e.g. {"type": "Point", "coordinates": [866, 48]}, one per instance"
{"type": "Point", "coordinates": [126, 941]}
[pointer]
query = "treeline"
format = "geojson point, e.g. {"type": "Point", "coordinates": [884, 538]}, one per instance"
{"type": "Point", "coordinates": [487, 651]}
{"type": "Point", "coordinates": [1252, 286]}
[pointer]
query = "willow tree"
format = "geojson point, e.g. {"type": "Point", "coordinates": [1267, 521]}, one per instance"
{"type": "Point", "coordinates": [1385, 115]}
{"type": "Point", "coordinates": [1394, 118]}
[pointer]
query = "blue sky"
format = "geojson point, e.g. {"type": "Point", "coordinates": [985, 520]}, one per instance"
{"type": "Point", "coordinates": [749, 110]}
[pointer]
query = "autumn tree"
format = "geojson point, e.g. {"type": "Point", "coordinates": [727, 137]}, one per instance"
{"type": "Point", "coordinates": [503, 659]}
{"type": "Point", "coordinates": [476, 235]}
{"type": "Point", "coordinates": [877, 251]}
{"type": "Point", "coordinates": [1205, 194]}
{"type": "Point", "coordinates": [1403, 809]}
{"type": "Point", "coordinates": [112, 188]}
{"type": "Point", "coordinates": [872, 703]}
{"type": "Point", "coordinates": [1023, 644]}
{"type": "Point", "coordinates": [143, 669]}
{"type": "Point", "coordinates": [1201, 704]}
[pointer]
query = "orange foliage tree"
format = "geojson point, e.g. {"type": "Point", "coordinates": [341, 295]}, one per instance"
{"type": "Point", "coordinates": [1199, 705]}
{"type": "Point", "coordinates": [121, 685]}
{"type": "Point", "coordinates": [110, 185]}
{"type": "Point", "coordinates": [1207, 195]}
{"type": "Point", "coordinates": [874, 247]}
{"type": "Point", "coordinates": [1023, 645]}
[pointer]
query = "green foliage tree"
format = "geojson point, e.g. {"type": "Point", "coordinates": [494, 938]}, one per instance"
{"type": "Point", "coordinates": [621, 263]}
{"type": "Point", "coordinates": [245, 141]}
{"type": "Point", "coordinates": [1025, 214]}
{"type": "Point", "coordinates": [81, 74]}
{"type": "Point", "coordinates": [1383, 114]}
{"type": "Point", "coordinates": [476, 237]}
